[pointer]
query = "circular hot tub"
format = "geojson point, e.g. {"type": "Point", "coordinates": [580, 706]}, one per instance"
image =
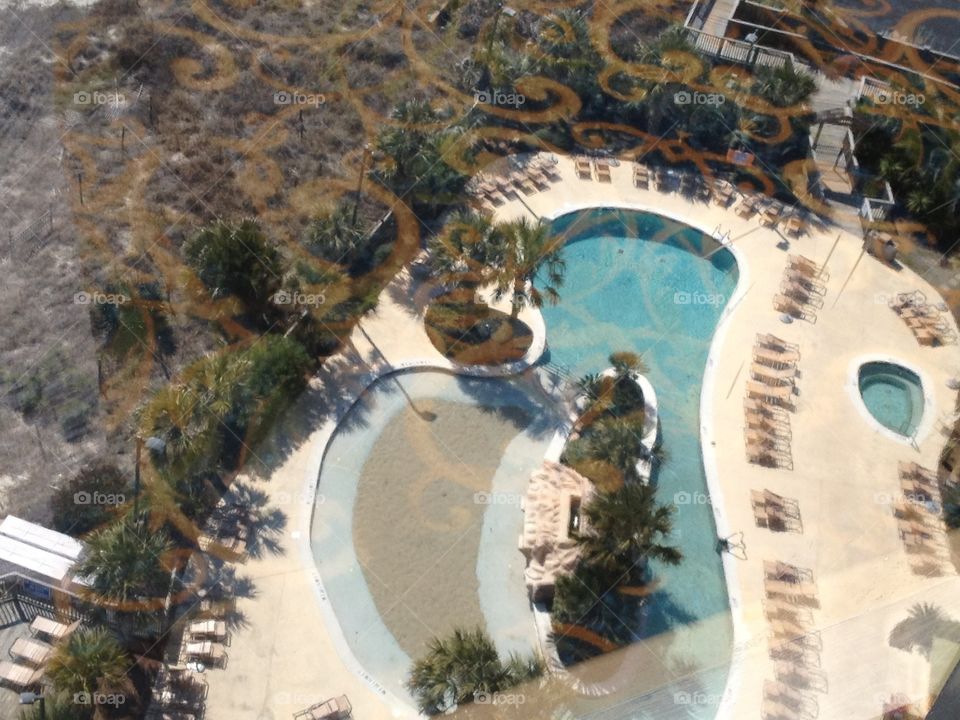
{"type": "Point", "coordinates": [893, 395]}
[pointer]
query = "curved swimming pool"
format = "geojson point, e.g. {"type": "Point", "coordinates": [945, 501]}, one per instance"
{"type": "Point", "coordinates": [427, 465]}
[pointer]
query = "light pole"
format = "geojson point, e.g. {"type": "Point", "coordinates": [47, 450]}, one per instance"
{"type": "Point", "coordinates": [29, 698]}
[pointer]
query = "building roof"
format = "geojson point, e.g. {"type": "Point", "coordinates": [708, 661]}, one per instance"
{"type": "Point", "coordinates": [41, 537]}
{"type": "Point", "coordinates": [38, 553]}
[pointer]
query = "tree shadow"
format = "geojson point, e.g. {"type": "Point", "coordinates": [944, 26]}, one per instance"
{"type": "Point", "coordinates": [923, 625]}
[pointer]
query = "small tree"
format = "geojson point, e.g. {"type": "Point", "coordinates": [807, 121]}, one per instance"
{"type": "Point", "coordinates": [81, 505]}
{"type": "Point", "coordinates": [126, 565]}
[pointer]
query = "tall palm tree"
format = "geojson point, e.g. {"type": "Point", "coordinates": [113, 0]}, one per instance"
{"type": "Point", "coordinates": [529, 249]}
{"type": "Point", "coordinates": [89, 661]}
{"type": "Point", "coordinates": [457, 668]}
{"type": "Point", "coordinates": [625, 529]}
{"type": "Point", "coordinates": [126, 565]}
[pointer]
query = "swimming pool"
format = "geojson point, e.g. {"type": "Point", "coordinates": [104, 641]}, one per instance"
{"type": "Point", "coordinates": [893, 395]}
{"type": "Point", "coordinates": [640, 282]}
{"type": "Point", "coordinates": [634, 281]}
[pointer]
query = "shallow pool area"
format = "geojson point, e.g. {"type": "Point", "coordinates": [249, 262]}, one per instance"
{"type": "Point", "coordinates": [893, 395]}
{"type": "Point", "coordinates": [416, 525]}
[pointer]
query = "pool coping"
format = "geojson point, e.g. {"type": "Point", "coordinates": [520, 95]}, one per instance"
{"type": "Point", "coordinates": [311, 483]}
{"type": "Point", "coordinates": [725, 708]}
{"type": "Point", "coordinates": [928, 418]}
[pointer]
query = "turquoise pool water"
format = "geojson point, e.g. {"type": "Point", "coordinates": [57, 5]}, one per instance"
{"type": "Point", "coordinates": [642, 283]}
{"type": "Point", "coordinates": [893, 395]}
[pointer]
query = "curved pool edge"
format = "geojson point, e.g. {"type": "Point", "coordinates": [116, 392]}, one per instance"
{"type": "Point", "coordinates": [725, 708]}
{"type": "Point", "coordinates": [399, 706]}
{"type": "Point", "coordinates": [927, 420]}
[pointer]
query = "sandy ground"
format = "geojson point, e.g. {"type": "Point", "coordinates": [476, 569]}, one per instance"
{"type": "Point", "coordinates": [417, 526]}
{"type": "Point", "coordinates": [45, 338]}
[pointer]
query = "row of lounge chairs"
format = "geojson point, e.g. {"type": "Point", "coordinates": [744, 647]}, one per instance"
{"type": "Point", "coordinates": [801, 290]}
{"type": "Point", "coordinates": [494, 190]}
{"type": "Point", "coordinates": [770, 392]}
{"type": "Point", "coordinates": [179, 693]}
{"type": "Point", "coordinates": [917, 525]}
{"type": "Point", "coordinates": [924, 320]}
{"type": "Point", "coordinates": [586, 167]}
{"type": "Point", "coordinates": [30, 655]}
{"type": "Point", "coordinates": [782, 702]}
{"type": "Point", "coordinates": [337, 708]}
{"type": "Point", "coordinates": [775, 511]}
{"type": "Point", "coordinates": [794, 642]}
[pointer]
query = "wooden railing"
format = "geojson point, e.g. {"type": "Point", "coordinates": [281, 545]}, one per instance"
{"type": "Point", "coordinates": [742, 52]}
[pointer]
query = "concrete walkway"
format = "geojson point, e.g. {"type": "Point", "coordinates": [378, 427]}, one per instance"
{"type": "Point", "coordinates": [290, 655]}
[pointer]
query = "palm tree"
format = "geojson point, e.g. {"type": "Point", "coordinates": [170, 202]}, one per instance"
{"type": "Point", "coordinates": [529, 248]}
{"type": "Point", "coordinates": [419, 153]}
{"type": "Point", "coordinates": [626, 362]}
{"type": "Point", "coordinates": [89, 661]}
{"type": "Point", "coordinates": [236, 258]}
{"type": "Point", "coordinates": [56, 706]}
{"type": "Point", "coordinates": [467, 251]}
{"type": "Point", "coordinates": [126, 565]}
{"type": "Point", "coordinates": [336, 238]}
{"type": "Point", "coordinates": [625, 529]}
{"type": "Point", "coordinates": [191, 416]}
{"type": "Point", "coordinates": [617, 442]}
{"type": "Point", "coordinates": [784, 86]}
{"type": "Point", "coordinates": [461, 666]}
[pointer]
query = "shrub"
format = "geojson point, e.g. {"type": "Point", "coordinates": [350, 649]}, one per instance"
{"type": "Point", "coordinates": [72, 513]}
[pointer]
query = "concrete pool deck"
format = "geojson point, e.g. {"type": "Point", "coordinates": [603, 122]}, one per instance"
{"type": "Point", "coordinates": [289, 656]}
